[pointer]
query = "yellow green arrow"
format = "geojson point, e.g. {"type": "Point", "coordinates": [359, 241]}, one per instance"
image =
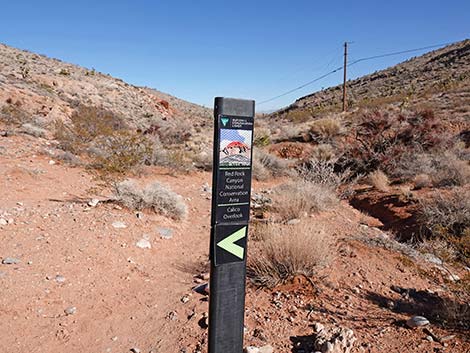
{"type": "Point", "coordinates": [228, 244]}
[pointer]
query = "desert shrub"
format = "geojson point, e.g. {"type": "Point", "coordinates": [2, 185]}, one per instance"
{"type": "Point", "coordinates": [154, 196]}
{"type": "Point", "coordinates": [203, 160]}
{"type": "Point", "coordinates": [120, 152]}
{"type": "Point", "coordinates": [447, 216]}
{"type": "Point", "coordinates": [266, 165]}
{"type": "Point", "coordinates": [33, 130]}
{"type": "Point", "coordinates": [87, 123]}
{"type": "Point", "coordinates": [443, 168]}
{"type": "Point", "coordinates": [262, 137]}
{"type": "Point", "coordinates": [421, 181]}
{"type": "Point", "coordinates": [322, 173]}
{"type": "Point", "coordinates": [13, 114]}
{"type": "Point", "coordinates": [323, 152]}
{"type": "Point", "coordinates": [298, 115]}
{"type": "Point", "coordinates": [381, 138]}
{"type": "Point", "coordinates": [325, 129]}
{"type": "Point", "coordinates": [287, 251]}
{"type": "Point", "coordinates": [300, 198]}
{"type": "Point", "coordinates": [379, 180]}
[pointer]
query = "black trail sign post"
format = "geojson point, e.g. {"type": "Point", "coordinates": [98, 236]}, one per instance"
{"type": "Point", "coordinates": [231, 189]}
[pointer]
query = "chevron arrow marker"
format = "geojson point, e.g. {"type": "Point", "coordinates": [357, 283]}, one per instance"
{"type": "Point", "coordinates": [228, 244]}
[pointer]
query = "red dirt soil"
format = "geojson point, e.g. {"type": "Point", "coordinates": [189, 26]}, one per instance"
{"type": "Point", "coordinates": [129, 297]}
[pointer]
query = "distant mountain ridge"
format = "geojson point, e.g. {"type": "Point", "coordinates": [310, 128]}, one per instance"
{"type": "Point", "coordinates": [419, 77]}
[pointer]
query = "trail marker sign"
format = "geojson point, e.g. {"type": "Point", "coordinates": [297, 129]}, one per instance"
{"type": "Point", "coordinates": [231, 193]}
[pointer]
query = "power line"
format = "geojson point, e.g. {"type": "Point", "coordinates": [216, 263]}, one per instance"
{"type": "Point", "coordinates": [350, 64]}
{"type": "Point", "coordinates": [398, 53]}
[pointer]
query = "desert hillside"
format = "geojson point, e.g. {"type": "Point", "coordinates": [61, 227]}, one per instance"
{"type": "Point", "coordinates": [439, 79]}
{"type": "Point", "coordinates": [359, 232]}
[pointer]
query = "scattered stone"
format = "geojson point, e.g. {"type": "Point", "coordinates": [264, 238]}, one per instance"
{"type": "Point", "coordinates": [172, 315]}
{"type": "Point", "coordinates": [429, 338]}
{"type": "Point", "coordinates": [3, 222]}
{"type": "Point", "coordinates": [30, 262]}
{"type": "Point", "coordinates": [119, 225]}
{"type": "Point", "coordinates": [185, 299]}
{"type": "Point", "coordinates": [206, 187]}
{"type": "Point", "coordinates": [251, 349]}
{"type": "Point", "coordinates": [165, 233]}
{"type": "Point", "coordinates": [266, 349]}
{"type": "Point", "coordinates": [447, 338]}
{"type": "Point", "coordinates": [10, 261]}
{"type": "Point", "coordinates": [454, 278]}
{"type": "Point", "coordinates": [51, 162]}
{"type": "Point", "coordinates": [114, 338]}
{"type": "Point", "coordinates": [202, 289]}
{"type": "Point", "coordinates": [135, 350]}
{"type": "Point", "coordinates": [143, 244]}
{"type": "Point", "coordinates": [417, 321]}
{"type": "Point", "coordinates": [93, 202]}
{"type": "Point", "coordinates": [390, 304]}
{"type": "Point", "coordinates": [334, 340]}
{"type": "Point", "coordinates": [293, 222]}
{"type": "Point", "coordinates": [139, 215]}
{"type": "Point", "coordinates": [70, 310]}
{"type": "Point", "coordinates": [59, 279]}
{"type": "Point", "coordinates": [318, 327]}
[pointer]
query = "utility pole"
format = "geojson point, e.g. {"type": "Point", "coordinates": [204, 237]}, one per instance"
{"type": "Point", "coordinates": [345, 75]}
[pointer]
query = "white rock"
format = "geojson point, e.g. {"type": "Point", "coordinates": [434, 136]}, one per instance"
{"type": "Point", "coordinates": [143, 244]}
{"type": "Point", "coordinates": [3, 222]}
{"type": "Point", "coordinates": [70, 310]}
{"type": "Point", "coordinates": [251, 349]}
{"type": "Point", "coordinates": [454, 278]}
{"type": "Point", "coordinates": [417, 321]}
{"type": "Point", "coordinates": [93, 202]}
{"type": "Point", "coordinates": [266, 349]}
{"type": "Point", "coordinates": [119, 225]}
{"type": "Point", "coordinates": [51, 162]}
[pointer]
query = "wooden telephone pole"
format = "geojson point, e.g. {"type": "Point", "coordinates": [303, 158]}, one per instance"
{"type": "Point", "coordinates": [345, 75]}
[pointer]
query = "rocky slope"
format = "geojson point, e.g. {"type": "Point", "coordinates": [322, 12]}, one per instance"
{"type": "Point", "coordinates": [424, 79]}
{"type": "Point", "coordinates": [42, 90]}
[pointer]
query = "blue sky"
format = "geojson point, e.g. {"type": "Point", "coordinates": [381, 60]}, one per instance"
{"type": "Point", "coordinates": [197, 50]}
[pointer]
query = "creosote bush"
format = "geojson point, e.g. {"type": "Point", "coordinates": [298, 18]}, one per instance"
{"type": "Point", "coordinates": [286, 251]}
{"type": "Point", "coordinates": [153, 196]}
{"type": "Point", "coordinates": [113, 148]}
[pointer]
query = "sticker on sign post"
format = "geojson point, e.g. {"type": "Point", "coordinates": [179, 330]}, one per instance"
{"type": "Point", "coordinates": [230, 243]}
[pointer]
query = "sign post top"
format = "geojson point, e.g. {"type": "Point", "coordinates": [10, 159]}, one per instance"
{"type": "Point", "coordinates": [235, 107]}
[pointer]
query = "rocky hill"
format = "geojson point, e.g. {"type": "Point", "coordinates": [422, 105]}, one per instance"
{"type": "Point", "coordinates": [436, 78]}
{"type": "Point", "coordinates": [41, 90]}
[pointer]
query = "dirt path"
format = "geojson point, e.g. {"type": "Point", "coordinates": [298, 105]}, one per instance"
{"type": "Point", "coordinates": [123, 295]}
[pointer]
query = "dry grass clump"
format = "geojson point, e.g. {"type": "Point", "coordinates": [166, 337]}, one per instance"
{"type": "Point", "coordinates": [325, 129]}
{"type": "Point", "coordinates": [379, 180]}
{"type": "Point", "coordinates": [33, 130]}
{"type": "Point", "coordinates": [447, 216]}
{"type": "Point", "coordinates": [154, 196]}
{"type": "Point", "coordinates": [422, 181]}
{"type": "Point", "coordinates": [323, 152]}
{"type": "Point", "coordinates": [443, 169]}
{"type": "Point", "coordinates": [266, 165]}
{"type": "Point", "coordinates": [287, 251]}
{"type": "Point", "coordinates": [301, 198]}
